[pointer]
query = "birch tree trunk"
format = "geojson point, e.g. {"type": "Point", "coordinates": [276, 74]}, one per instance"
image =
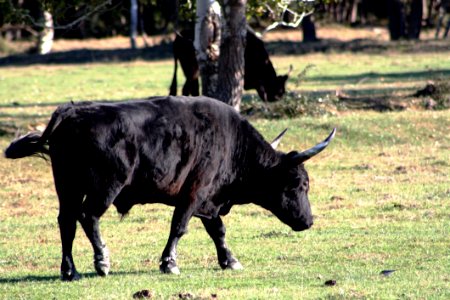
{"type": "Point", "coordinates": [232, 64]}
{"type": "Point", "coordinates": [207, 44]}
{"type": "Point", "coordinates": [133, 22]}
{"type": "Point", "coordinates": [45, 37]}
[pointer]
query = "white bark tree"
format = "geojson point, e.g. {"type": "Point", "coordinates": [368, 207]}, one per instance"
{"type": "Point", "coordinates": [46, 35]}
{"type": "Point", "coordinates": [207, 43]}
{"type": "Point", "coordinates": [220, 49]}
{"type": "Point", "coordinates": [222, 68]}
{"type": "Point", "coordinates": [133, 22]}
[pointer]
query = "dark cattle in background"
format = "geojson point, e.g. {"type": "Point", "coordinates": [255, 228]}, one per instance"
{"type": "Point", "coordinates": [259, 71]}
{"type": "Point", "coordinates": [196, 154]}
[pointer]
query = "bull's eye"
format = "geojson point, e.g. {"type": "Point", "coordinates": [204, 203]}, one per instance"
{"type": "Point", "coordinates": [305, 186]}
{"type": "Point", "coordinates": [291, 194]}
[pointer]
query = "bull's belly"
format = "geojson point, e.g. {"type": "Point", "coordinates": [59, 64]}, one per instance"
{"type": "Point", "coordinates": [130, 197]}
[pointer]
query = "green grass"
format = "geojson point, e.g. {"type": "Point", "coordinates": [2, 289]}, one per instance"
{"type": "Point", "coordinates": [380, 195]}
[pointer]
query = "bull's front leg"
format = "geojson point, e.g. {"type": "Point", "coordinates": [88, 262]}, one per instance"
{"type": "Point", "coordinates": [261, 92]}
{"type": "Point", "coordinates": [216, 230]}
{"type": "Point", "coordinates": [180, 220]}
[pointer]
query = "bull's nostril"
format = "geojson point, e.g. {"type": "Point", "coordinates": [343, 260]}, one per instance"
{"type": "Point", "coordinates": [308, 224]}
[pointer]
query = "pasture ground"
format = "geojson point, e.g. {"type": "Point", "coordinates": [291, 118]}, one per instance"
{"type": "Point", "coordinates": [380, 193]}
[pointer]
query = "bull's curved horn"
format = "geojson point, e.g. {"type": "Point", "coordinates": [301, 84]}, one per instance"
{"type": "Point", "coordinates": [291, 67]}
{"type": "Point", "coordinates": [277, 140]}
{"type": "Point", "coordinates": [307, 154]}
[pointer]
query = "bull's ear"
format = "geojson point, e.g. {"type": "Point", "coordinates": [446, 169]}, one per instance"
{"type": "Point", "coordinates": [277, 140]}
{"type": "Point", "coordinates": [283, 78]}
{"type": "Point", "coordinates": [301, 157]}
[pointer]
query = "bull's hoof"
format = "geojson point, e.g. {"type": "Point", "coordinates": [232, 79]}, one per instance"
{"type": "Point", "coordinates": [70, 276]}
{"type": "Point", "coordinates": [169, 266]}
{"type": "Point", "coordinates": [235, 266]}
{"type": "Point", "coordinates": [101, 262]}
{"type": "Point", "coordinates": [232, 264]}
{"type": "Point", "coordinates": [169, 270]}
{"type": "Point", "coordinates": [102, 267]}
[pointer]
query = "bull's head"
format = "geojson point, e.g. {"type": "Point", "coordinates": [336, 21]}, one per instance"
{"type": "Point", "coordinates": [277, 89]}
{"type": "Point", "coordinates": [290, 185]}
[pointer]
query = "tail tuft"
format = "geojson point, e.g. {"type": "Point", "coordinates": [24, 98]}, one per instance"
{"type": "Point", "coordinates": [27, 145]}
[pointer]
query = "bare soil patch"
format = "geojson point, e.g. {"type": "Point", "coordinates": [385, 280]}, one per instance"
{"type": "Point", "coordinates": [332, 38]}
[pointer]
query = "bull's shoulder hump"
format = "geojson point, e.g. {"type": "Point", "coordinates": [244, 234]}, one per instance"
{"type": "Point", "coordinates": [191, 105]}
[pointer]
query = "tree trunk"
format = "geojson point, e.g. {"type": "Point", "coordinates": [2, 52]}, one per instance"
{"type": "Point", "coordinates": [397, 19]}
{"type": "Point", "coordinates": [232, 64]}
{"type": "Point", "coordinates": [309, 30]}
{"type": "Point", "coordinates": [444, 9]}
{"type": "Point", "coordinates": [46, 35]}
{"type": "Point", "coordinates": [427, 11]}
{"type": "Point", "coordinates": [415, 19]}
{"type": "Point", "coordinates": [207, 44]}
{"type": "Point", "coordinates": [133, 22]}
{"type": "Point", "coordinates": [354, 12]}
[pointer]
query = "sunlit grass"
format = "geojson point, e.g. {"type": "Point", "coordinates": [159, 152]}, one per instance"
{"type": "Point", "coordinates": [378, 205]}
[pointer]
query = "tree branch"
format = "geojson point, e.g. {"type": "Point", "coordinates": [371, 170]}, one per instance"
{"type": "Point", "coordinates": [71, 24]}
{"type": "Point", "coordinates": [283, 6]}
{"type": "Point", "coordinates": [9, 27]}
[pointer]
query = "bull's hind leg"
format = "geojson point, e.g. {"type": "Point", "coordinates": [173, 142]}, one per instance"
{"type": "Point", "coordinates": [216, 230]}
{"type": "Point", "coordinates": [191, 88]}
{"type": "Point", "coordinates": [69, 210]}
{"type": "Point", "coordinates": [70, 190]}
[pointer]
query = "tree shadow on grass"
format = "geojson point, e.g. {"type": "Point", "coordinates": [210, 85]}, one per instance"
{"type": "Point", "coordinates": [30, 278]}
{"type": "Point", "coordinates": [84, 56]}
{"type": "Point", "coordinates": [367, 46]}
{"type": "Point", "coordinates": [387, 77]}
{"type": "Point", "coordinates": [48, 278]}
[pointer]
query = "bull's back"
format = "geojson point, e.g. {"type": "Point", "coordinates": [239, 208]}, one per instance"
{"type": "Point", "coordinates": [160, 142]}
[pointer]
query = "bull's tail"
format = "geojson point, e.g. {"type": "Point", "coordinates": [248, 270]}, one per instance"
{"type": "Point", "coordinates": [26, 145]}
{"type": "Point", "coordinates": [33, 143]}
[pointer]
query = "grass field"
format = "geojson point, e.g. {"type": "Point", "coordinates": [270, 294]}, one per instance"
{"type": "Point", "coordinates": [380, 194]}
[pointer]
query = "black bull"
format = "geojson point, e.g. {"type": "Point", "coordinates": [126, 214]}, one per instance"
{"type": "Point", "coordinates": [196, 154]}
{"type": "Point", "coordinates": [259, 72]}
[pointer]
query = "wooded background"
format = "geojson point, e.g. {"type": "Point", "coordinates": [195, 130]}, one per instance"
{"type": "Point", "coordinates": [86, 19]}
{"type": "Point", "coordinates": [220, 26]}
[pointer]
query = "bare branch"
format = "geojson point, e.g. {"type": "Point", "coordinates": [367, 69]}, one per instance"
{"type": "Point", "coordinates": [283, 6]}
{"type": "Point", "coordinates": [9, 27]}
{"type": "Point", "coordinates": [71, 24]}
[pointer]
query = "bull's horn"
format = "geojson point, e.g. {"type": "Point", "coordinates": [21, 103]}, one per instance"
{"type": "Point", "coordinates": [277, 140]}
{"type": "Point", "coordinates": [291, 67]}
{"type": "Point", "coordinates": [307, 154]}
